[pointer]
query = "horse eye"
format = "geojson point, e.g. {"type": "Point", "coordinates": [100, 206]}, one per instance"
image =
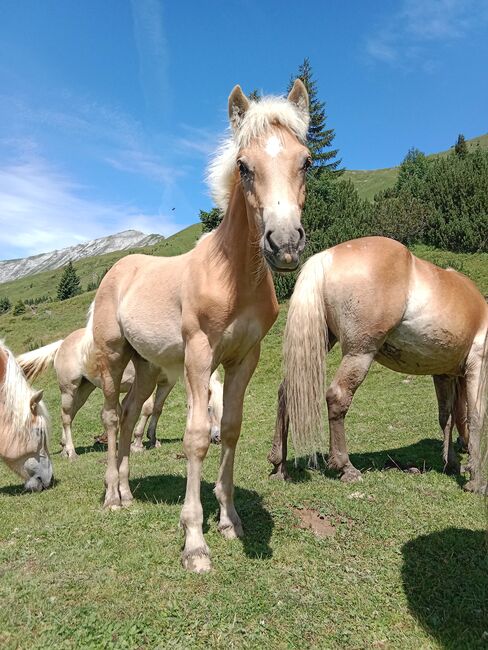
{"type": "Point", "coordinates": [307, 164]}
{"type": "Point", "coordinates": [243, 168]}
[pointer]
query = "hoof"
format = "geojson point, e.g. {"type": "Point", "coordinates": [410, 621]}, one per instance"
{"type": "Point", "coordinates": [112, 502]}
{"type": "Point", "coordinates": [135, 448]}
{"type": "Point", "coordinates": [126, 500]}
{"type": "Point", "coordinates": [279, 475]}
{"type": "Point", "coordinates": [453, 468]}
{"type": "Point", "coordinates": [231, 531]}
{"type": "Point", "coordinates": [197, 561]}
{"type": "Point", "coordinates": [352, 475]}
{"type": "Point", "coordinates": [70, 455]}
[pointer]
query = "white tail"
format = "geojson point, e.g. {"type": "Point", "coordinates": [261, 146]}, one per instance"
{"type": "Point", "coordinates": [304, 351]}
{"type": "Point", "coordinates": [88, 359]}
{"type": "Point", "coordinates": [36, 362]}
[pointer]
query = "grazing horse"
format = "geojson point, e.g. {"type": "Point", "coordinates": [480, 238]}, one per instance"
{"type": "Point", "coordinates": [380, 302]}
{"type": "Point", "coordinates": [210, 306]}
{"type": "Point", "coordinates": [76, 384]}
{"type": "Point", "coordinates": [24, 426]}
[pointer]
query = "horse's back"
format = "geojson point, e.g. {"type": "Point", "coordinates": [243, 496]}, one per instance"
{"type": "Point", "coordinates": [366, 286]}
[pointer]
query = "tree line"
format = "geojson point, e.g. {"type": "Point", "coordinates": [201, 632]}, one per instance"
{"type": "Point", "coordinates": [441, 201]}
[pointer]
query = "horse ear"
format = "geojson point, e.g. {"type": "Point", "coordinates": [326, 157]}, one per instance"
{"type": "Point", "coordinates": [34, 401]}
{"type": "Point", "coordinates": [238, 105]}
{"type": "Point", "coordinates": [298, 95]}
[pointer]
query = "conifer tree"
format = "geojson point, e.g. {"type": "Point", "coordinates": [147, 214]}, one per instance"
{"type": "Point", "coordinates": [319, 138]}
{"type": "Point", "coordinates": [461, 148]}
{"type": "Point", "coordinates": [19, 308]}
{"type": "Point", "coordinates": [69, 285]}
{"type": "Point", "coordinates": [5, 305]}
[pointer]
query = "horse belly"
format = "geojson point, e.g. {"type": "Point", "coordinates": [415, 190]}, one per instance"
{"type": "Point", "coordinates": [162, 346]}
{"type": "Point", "coordinates": [423, 349]}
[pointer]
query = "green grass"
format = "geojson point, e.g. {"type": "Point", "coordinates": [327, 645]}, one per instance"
{"type": "Point", "coordinates": [369, 182]}
{"type": "Point", "coordinates": [406, 568]}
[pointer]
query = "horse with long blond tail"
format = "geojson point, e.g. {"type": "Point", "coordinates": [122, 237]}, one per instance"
{"type": "Point", "coordinates": [381, 303]}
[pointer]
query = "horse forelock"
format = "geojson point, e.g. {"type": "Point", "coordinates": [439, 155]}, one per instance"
{"type": "Point", "coordinates": [256, 122]}
{"type": "Point", "coordinates": [17, 418]}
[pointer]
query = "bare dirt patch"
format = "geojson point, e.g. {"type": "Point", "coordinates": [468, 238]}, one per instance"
{"type": "Point", "coordinates": [320, 525]}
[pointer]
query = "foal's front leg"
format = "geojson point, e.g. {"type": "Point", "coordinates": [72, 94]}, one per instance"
{"type": "Point", "coordinates": [236, 380]}
{"type": "Point", "coordinates": [198, 361]}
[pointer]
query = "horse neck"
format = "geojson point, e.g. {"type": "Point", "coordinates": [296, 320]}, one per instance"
{"type": "Point", "coordinates": [237, 239]}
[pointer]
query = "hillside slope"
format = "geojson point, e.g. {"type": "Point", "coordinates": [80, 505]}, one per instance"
{"type": "Point", "coordinates": [369, 182]}
{"type": "Point", "coordinates": [45, 283]}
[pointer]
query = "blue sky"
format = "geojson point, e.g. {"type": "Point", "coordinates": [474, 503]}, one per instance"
{"type": "Point", "coordinates": [110, 109]}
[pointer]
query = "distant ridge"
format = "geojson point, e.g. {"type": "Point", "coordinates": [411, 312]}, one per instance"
{"type": "Point", "coordinates": [14, 269]}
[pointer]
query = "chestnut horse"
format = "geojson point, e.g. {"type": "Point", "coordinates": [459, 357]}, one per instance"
{"type": "Point", "coordinates": [24, 426]}
{"type": "Point", "coordinates": [76, 385]}
{"type": "Point", "coordinates": [380, 302]}
{"type": "Point", "coordinates": [211, 306]}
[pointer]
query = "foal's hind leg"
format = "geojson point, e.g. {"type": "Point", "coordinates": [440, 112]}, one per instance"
{"type": "Point", "coordinates": [145, 379]}
{"type": "Point", "coordinates": [278, 453]}
{"type": "Point", "coordinates": [349, 376]}
{"type": "Point", "coordinates": [112, 367]}
{"type": "Point", "coordinates": [162, 392]}
{"type": "Point", "coordinates": [445, 388]}
{"type": "Point", "coordinates": [475, 390]}
{"type": "Point", "coordinates": [73, 397]}
{"type": "Point", "coordinates": [461, 415]}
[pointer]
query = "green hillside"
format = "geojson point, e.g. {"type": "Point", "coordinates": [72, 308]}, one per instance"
{"type": "Point", "coordinates": [369, 182]}
{"type": "Point", "coordinates": [45, 283]}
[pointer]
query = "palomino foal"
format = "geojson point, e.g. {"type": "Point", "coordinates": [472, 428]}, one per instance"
{"type": "Point", "coordinates": [212, 305]}
{"type": "Point", "coordinates": [24, 426]}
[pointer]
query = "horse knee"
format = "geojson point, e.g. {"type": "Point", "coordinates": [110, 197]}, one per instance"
{"type": "Point", "coordinates": [196, 442]}
{"type": "Point", "coordinates": [338, 401]}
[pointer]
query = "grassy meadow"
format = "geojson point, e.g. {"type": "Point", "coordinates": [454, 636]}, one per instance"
{"type": "Point", "coordinates": [401, 562]}
{"type": "Point", "coordinates": [369, 182]}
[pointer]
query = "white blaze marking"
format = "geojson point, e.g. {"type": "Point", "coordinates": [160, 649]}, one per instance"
{"type": "Point", "coordinates": [273, 146]}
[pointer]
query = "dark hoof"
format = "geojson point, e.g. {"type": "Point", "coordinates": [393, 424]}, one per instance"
{"type": "Point", "coordinates": [280, 474]}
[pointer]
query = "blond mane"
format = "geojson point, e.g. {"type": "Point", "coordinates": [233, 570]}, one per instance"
{"type": "Point", "coordinates": [257, 120]}
{"type": "Point", "coordinates": [15, 395]}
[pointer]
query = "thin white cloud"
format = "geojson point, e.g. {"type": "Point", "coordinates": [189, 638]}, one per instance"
{"type": "Point", "coordinates": [42, 209]}
{"type": "Point", "coordinates": [198, 140]}
{"type": "Point", "coordinates": [404, 37]}
{"type": "Point", "coordinates": [153, 52]}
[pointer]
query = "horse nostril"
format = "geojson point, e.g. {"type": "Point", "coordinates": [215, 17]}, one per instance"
{"type": "Point", "coordinates": [272, 246]}
{"type": "Point", "coordinates": [301, 234]}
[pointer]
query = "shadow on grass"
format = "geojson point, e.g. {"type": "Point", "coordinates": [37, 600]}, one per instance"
{"type": "Point", "coordinates": [98, 446]}
{"type": "Point", "coordinates": [18, 489]}
{"type": "Point", "coordinates": [256, 520]}
{"type": "Point", "coordinates": [425, 455]}
{"type": "Point", "coordinates": [445, 578]}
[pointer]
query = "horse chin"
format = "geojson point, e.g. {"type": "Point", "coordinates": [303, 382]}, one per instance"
{"type": "Point", "coordinates": [281, 266]}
